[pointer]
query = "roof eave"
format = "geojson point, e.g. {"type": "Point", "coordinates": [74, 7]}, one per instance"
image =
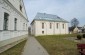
{"type": "Point", "coordinates": [51, 20]}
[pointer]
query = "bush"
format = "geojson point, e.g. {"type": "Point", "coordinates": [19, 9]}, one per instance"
{"type": "Point", "coordinates": [79, 37]}
{"type": "Point", "coordinates": [83, 35]}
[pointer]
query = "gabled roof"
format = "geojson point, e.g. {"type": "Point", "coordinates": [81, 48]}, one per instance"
{"type": "Point", "coordinates": [83, 27]}
{"type": "Point", "coordinates": [49, 17]}
{"type": "Point", "coordinates": [72, 28]}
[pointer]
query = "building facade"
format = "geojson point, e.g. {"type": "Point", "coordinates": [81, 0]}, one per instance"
{"type": "Point", "coordinates": [13, 21]}
{"type": "Point", "coordinates": [48, 24]}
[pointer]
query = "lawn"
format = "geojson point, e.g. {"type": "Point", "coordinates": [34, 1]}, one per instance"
{"type": "Point", "coordinates": [16, 50]}
{"type": "Point", "coordinates": [57, 45]}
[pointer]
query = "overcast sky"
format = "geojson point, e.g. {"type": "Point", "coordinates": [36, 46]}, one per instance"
{"type": "Point", "coordinates": [66, 9]}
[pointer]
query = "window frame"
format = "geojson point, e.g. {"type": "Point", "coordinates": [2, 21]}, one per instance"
{"type": "Point", "coordinates": [42, 32]}
{"type": "Point", "coordinates": [63, 26]}
{"type": "Point", "coordinates": [6, 19]}
{"type": "Point", "coordinates": [50, 25]}
{"type": "Point", "coordinates": [57, 25]}
{"type": "Point", "coordinates": [42, 25]}
{"type": "Point", "coordinates": [15, 24]}
{"type": "Point", "coordinates": [20, 8]}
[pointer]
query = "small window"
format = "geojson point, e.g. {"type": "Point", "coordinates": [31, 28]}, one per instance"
{"type": "Point", "coordinates": [57, 25]}
{"type": "Point", "coordinates": [6, 15]}
{"type": "Point", "coordinates": [42, 25]}
{"type": "Point", "coordinates": [63, 26]}
{"type": "Point", "coordinates": [42, 32]}
{"type": "Point", "coordinates": [20, 8]}
{"type": "Point", "coordinates": [50, 25]}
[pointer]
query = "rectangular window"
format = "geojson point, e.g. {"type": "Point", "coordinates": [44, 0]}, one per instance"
{"type": "Point", "coordinates": [63, 26]}
{"type": "Point", "coordinates": [42, 25]}
{"type": "Point", "coordinates": [57, 25]}
{"type": "Point", "coordinates": [6, 15]}
{"type": "Point", "coordinates": [23, 26]}
{"type": "Point", "coordinates": [26, 26]}
{"type": "Point", "coordinates": [42, 32]}
{"type": "Point", "coordinates": [20, 8]}
{"type": "Point", "coordinates": [15, 24]}
{"type": "Point", "coordinates": [50, 25]}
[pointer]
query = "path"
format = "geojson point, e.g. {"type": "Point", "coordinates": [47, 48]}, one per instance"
{"type": "Point", "coordinates": [33, 47]}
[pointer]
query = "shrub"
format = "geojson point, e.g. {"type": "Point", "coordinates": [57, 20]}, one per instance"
{"type": "Point", "coordinates": [79, 37]}
{"type": "Point", "coordinates": [83, 35]}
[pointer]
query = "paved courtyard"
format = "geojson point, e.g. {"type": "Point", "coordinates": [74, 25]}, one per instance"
{"type": "Point", "coordinates": [33, 47]}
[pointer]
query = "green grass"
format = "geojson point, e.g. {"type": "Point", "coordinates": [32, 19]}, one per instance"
{"type": "Point", "coordinates": [16, 50]}
{"type": "Point", "coordinates": [57, 45]}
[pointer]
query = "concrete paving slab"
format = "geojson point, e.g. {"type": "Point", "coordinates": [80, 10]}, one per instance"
{"type": "Point", "coordinates": [33, 47]}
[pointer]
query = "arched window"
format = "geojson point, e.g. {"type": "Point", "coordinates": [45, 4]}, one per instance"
{"type": "Point", "coordinates": [57, 25]}
{"type": "Point", "coordinates": [23, 26]}
{"type": "Point", "coordinates": [50, 25]}
{"type": "Point", "coordinates": [63, 26]}
{"type": "Point", "coordinates": [26, 26]}
{"type": "Point", "coordinates": [6, 15]}
{"type": "Point", "coordinates": [15, 24]}
{"type": "Point", "coordinates": [42, 25]}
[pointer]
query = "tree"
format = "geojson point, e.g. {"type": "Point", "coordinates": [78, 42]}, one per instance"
{"type": "Point", "coordinates": [74, 22]}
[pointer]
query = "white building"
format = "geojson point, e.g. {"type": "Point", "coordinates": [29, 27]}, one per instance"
{"type": "Point", "coordinates": [48, 24]}
{"type": "Point", "coordinates": [13, 21]}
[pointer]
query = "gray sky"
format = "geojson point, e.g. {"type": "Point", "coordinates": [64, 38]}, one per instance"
{"type": "Point", "coordinates": [66, 9]}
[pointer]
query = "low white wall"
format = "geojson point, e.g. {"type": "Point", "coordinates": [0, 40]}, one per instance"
{"type": "Point", "coordinates": [4, 35]}
{"type": "Point", "coordinates": [12, 40]}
